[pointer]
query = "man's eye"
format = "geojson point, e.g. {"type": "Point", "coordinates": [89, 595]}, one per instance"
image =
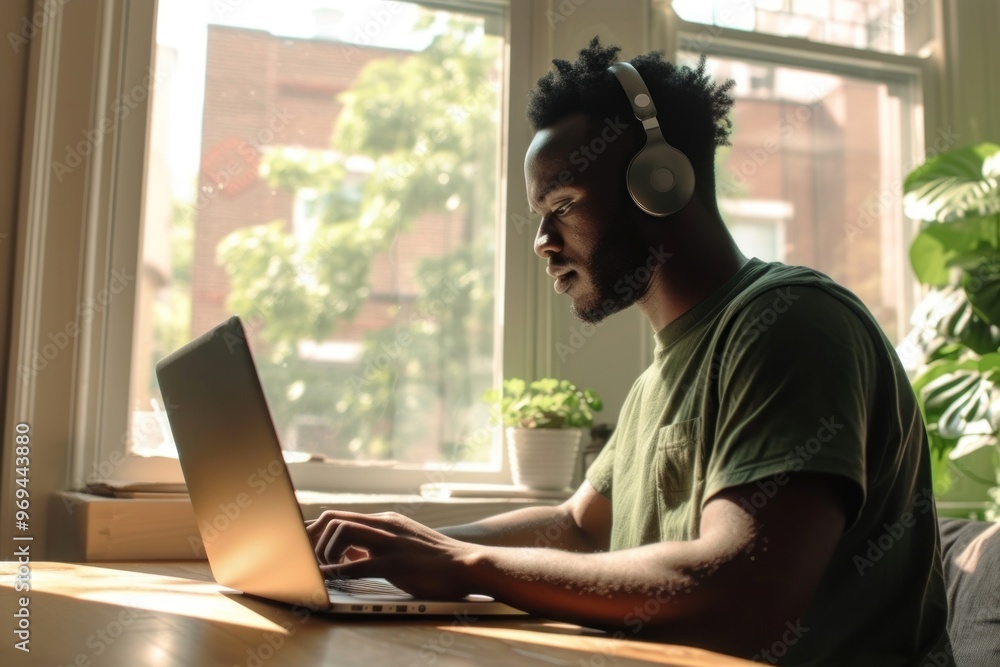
{"type": "Point", "coordinates": [562, 209]}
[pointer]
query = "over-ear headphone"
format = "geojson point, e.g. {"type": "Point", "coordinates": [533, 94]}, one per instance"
{"type": "Point", "coordinates": [660, 177]}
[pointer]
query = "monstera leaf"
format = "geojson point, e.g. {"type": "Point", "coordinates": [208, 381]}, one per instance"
{"type": "Point", "coordinates": [938, 248]}
{"type": "Point", "coordinates": [957, 325]}
{"type": "Point", "coordinates": [955, 395]}
{"type": "Point", "coordinates": [950, 325]}
{"type": "Point", "coordinates": [982, 286]}
{"type": "Point", "coordinates": [953, 185]}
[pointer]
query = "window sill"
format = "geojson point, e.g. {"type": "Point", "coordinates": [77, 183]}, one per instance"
{"type": "Point", "coordinates": [86, 528]}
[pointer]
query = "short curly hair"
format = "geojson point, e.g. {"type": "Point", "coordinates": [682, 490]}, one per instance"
{"type": "Point", "coordinates": [693, 110]}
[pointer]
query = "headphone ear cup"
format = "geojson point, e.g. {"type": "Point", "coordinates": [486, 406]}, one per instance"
{"type": "Point", "coordinates": [660, 178]}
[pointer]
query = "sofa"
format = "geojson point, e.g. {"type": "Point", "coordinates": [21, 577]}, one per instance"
{"type": "Point", "coordinates": [970, 553]}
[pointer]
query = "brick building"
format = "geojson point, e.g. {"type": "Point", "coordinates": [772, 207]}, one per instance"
{"type": "Point", "coordinates": [820, 170]}
{"type": "Point", "coordinates": [264, 90]}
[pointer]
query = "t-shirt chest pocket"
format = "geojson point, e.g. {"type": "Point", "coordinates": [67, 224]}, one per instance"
{"type": "Point", "coordinates": [676, 462]}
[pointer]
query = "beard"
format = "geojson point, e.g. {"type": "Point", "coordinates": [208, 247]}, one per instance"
{"type": "Point", "coordinates": [618, 274]}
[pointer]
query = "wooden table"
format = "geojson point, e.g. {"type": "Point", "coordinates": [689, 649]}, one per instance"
{"type": "Point", "coordinates": [167, 614]}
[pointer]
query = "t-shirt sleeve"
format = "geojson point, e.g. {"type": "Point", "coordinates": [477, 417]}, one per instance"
{"type": "Point", "coordinates": [601, 472]}
{"type": "Point", "coordinates": [794, 392]}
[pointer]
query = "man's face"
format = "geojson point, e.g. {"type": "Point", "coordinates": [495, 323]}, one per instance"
{"type": "Point", "coordinates": [575, 175]}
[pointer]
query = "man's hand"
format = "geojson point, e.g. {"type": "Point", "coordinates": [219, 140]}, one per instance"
{"type": "Point", "coordinates": [413, 557]}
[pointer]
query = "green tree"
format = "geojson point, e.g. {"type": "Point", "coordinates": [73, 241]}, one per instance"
{"type": "Point", "coordinates": [427, 123]}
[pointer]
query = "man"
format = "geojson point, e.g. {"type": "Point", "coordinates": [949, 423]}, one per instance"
{"type": "Point", "coordinates": [767, 490]}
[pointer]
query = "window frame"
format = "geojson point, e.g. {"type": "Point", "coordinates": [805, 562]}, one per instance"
{"type": "Point", "coordinates": [103, 410]}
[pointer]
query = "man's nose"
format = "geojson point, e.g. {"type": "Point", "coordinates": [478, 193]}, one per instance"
{"type": "Point", "coordinates": [547, 242]}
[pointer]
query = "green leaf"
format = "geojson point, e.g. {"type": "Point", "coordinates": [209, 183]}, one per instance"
{"type": "Point", "coordinates": [964, 328]}
{"type": "Point", "coordinates": [970, 407]}
{"type": "Point", "coordinates": [939, 369]}
{"type": "Point", "coordinates": [950, 387]}
{"type": "Point", "coordinates": [955, 184]}
{"type": "Point", "coordinates": [982, 286]}
{"type": "Point", "coordinates": [938, 247]}
{"type": "Point", "coordinates": [548, 403]}
{"type": "Point", "coordinates": [989, 366]}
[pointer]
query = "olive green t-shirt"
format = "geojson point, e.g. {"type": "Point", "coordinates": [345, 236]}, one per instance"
{"type": "Point", "coordinates": [778, 371]}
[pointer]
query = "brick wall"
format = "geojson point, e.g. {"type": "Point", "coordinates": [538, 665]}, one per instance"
{"type": "Point", "coordinates": [264, 90]}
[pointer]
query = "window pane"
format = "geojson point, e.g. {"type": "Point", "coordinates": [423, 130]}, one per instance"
{"type": "Point", "coordinates": [814, 177]}
{"type": "Point", "coordinates": [877, 25]}
{"type": "Point", "coordinates": [330, 175]}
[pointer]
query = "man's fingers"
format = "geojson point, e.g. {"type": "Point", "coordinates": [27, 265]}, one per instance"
{"type": "Point", "coordinates": [340, 537]}
{"type": "Point", "coordinates": [316, 526]}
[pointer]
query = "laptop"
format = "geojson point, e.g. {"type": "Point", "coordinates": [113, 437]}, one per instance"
{"type": "Point", "coordinates": [249, 519]}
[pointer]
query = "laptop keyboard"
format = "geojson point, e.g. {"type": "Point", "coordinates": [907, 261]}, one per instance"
{"type": "Point", "coordinates": [363, 587]}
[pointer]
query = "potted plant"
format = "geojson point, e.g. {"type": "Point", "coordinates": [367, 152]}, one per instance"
{"type": "Point", "coordinates": [544, 421]}
{"type": "Point", "coordinates": [954, 349]}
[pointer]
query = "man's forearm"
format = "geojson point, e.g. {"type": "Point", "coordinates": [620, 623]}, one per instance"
{"type": "Point", "coordinates": [634, 591]}
{"type": "Point", "coordinates": [546, 527]}
{"type": "Point", "coordinates": [663, 591]}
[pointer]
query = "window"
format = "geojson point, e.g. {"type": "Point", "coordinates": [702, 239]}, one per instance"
{"type": "Point", "coordinates": [877, 25]}
{"type": "Point", "coordinates": [330, 172]}
{"type": "Point", "coordinates": [821, 139]}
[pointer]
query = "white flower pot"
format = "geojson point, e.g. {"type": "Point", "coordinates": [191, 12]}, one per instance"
{"type": "Point", "coordinates": [543, 458]}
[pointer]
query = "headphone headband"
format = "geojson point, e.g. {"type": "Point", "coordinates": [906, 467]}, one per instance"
{"type": "Point", "coordinates": [660, 177]}
{"type": "Point", "coordinates": [635, 88]}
